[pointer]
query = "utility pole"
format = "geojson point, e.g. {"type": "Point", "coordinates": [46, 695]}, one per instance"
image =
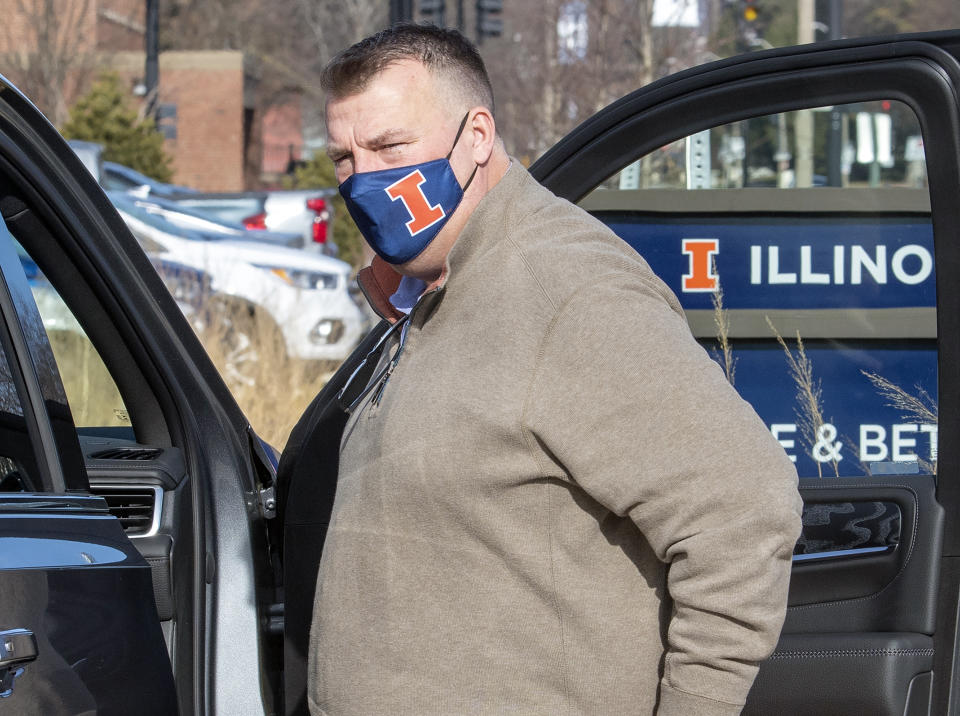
{"type": "Point", "coordinates": [835, 138]}
{"type": "Point", "coordinates": [804, 121]}
{"type": "Point", "coordinates": [151, 71]}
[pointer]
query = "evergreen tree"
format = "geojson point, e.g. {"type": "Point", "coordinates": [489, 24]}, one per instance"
{"type": "Point", "coordinates": [104, 115]}
{"type": "Point", "coordinates": [319, 173]}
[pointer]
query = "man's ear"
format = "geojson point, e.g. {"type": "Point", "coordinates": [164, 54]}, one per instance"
{"type": "Point", "coordinates": [484, 132]}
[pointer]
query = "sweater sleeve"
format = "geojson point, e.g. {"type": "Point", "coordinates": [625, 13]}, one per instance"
{"type": "Point", "coordinates": [628, 406]}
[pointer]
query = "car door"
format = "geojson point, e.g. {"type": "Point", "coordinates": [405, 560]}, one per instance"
{"type": "Point", "coordinates": [144, 570]}
{"type": "Point", "coordinates": [78, 612]}
{"type": "Point", "coordinates": [840, 269]}
{"type": "Point", "coordinates": [802, 203]}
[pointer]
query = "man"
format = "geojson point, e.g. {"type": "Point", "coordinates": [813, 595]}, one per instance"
{"type": "Point", "coordinates": [550, 501]}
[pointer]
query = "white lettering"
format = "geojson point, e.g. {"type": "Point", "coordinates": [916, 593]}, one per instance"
{"type": "Point", "coordinates": [838, 265]}
{"type": "Point", "coordinates": [860, 259]}
{"type": "Point", "coordinates": [900, 442]}
{"type": "Point", "coordinates": [926, 264]}
{"type": "Point", "coordinates": [827, 448]}
{"type": "Point", "coordinates": [773, 259]}
{"type": "Point", "coordinates": [756, 264]}
{"type": "Point", "coordinates": [909, 265]}
{"type": "Point", "coordinates": [806, 268]}
{"type": "Point", "coordinates": [932, 431]}
{"type": "Point", "coordinates": [873, 436]}
{"type": "Point", "coordinates": [776, 429]}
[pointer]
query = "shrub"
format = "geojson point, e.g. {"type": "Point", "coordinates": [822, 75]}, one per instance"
{"type": "Point", "coordinates": [104, 115]}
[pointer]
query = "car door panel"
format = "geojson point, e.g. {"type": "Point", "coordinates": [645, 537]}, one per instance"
{"type": "Point", "coordinates": [871, 618]}
{"type": "Point", "coordinates": [869, 592]}
{"type": "Point", "coordinates": [859, 627]}
{"type": "Point", "coordinates": [871, 625]}
{"type": "Point", "coordinates": [840, 674]}
{"type": "Point", "coordinates": [69, 575]}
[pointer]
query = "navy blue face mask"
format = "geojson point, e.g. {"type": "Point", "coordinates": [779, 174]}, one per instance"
{"type": "Point", "coordinates": [400, 211]}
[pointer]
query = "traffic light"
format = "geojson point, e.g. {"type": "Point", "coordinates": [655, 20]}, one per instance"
{"type": "Point", "coordinates": [489, 22]}
{"type": "Point", "coordinates": [750, 12]}
{"type": "Point", "coordinates": [433, 11]}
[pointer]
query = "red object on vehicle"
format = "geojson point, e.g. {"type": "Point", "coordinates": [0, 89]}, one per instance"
{"type": "Point", "coordinates": [257, 221]}
{"type": "Point", "coordinates": [320, 221]}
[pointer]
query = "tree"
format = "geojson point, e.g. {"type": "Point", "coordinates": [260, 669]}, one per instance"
{"type": "Point", "coordinates": [319, 173]}
{"type": "Point", "coordinates": [104, 116]}
{"type": "Point", "coordinates": [48, 50]}
{"type": "Point", "coordinates": [561, 61]}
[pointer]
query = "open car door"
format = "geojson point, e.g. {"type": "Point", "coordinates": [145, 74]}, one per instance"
{"type": "Point", "coordinates": [78, 610]}
{"type": "Point", "coordinates": [807, 200]}
{"type": "Point", "coordinates": [803, 204]}
{"type": "Point", "coordinates": [134, 564]}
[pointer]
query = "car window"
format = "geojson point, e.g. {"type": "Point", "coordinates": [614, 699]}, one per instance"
{"type": "Point", "coordinates": [18, 472]}
{"type": "Point", "coordinates": [39, 450]}
{"type": "Point", "coordinates": [801, 247]}
{"type": "Point", "coordinates": [91, 392]}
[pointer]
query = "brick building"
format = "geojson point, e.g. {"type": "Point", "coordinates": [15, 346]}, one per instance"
{"type": "Point", "coordinates": [206, 104]}
{"type": "Point", "coordinates": [207, 98]}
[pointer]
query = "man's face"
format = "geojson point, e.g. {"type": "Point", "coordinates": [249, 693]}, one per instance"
{"type": "Point", "coordinates": [397, 120]}
{"type": "Point", "coordinates": [401, 118]}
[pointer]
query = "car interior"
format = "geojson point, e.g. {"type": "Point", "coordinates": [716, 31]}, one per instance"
{"type": "Point", "coordinates": [128, 452]}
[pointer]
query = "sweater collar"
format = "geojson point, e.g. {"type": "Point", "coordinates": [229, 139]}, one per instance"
{"type": "Point", "coordinates": [488, 223]}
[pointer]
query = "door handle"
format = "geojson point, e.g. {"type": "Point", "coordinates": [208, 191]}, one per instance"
{"type": "Point", "coordinates": [18, 647]}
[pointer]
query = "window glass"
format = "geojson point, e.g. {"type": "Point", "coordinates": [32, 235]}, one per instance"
{"type": "Point", "coordinates": [862, 145]}
{"type": "Point", "coordinates": [91, 392]}
{"type": "Point", "coordinates": [801, 248]}
{"type": "Point", "coordinates": [17, 463]}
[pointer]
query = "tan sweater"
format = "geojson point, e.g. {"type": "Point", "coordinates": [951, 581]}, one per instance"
{"type": "Point", "coordinates": [559, 506]}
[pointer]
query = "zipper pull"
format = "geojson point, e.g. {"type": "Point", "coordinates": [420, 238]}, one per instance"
{"type": "Point", "coordinates": [383, 383]}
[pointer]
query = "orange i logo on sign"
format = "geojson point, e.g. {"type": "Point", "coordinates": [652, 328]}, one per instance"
{"type": "Point", "coordinates": [408, 190]}
{"type": "Point", "coordinates": [701, 276]}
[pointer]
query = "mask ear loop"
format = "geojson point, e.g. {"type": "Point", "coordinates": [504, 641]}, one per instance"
{"type": "Point", "coordinates": [463, 123]}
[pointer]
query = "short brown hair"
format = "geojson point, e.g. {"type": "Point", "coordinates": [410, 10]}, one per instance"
{"type": "Point", "coordinates": [446, 53]}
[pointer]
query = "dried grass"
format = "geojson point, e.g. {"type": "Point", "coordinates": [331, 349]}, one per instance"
{"type": "Point", "coordinates": [809, 410]}
{"type": "Point", "coordinates": [91, 393]}
{"type": "Point", "coordinates": [271, 388]}
{"type": "Point", "coordinates": [918, 407]}
{"type": "Point", "coordinates": [721, 320]}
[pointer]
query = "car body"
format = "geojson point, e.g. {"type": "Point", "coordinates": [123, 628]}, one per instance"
{"type": "Point", "coordinates": [307, 212]}
{"type": "Point", "coordinates": [171, 216]}
{"type": "Point", "coordinates": [306, 296]}
{"type": "Point", "coordinates": [116, 177]}
{"type": "Point", "coordinates": [168, 563]}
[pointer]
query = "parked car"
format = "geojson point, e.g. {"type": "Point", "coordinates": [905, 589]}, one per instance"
{"type": "Point", "coordinates": [306, 212]}
{"type": "Point", "coordinates": [306, 296]}
{"type": "Point", "coordinates": [190, 288]}
{"type": "Point", "coordinates": [116, 177]}
{"type": "Point", "coordinates": [166, 563]}
{"type": "Point", "coordinates": [171, 216]}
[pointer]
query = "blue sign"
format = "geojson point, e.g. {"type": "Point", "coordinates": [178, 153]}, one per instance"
{"type": "Point", "coordinates": [803, 263]}
{"type": "Point", "coordinates": [798, 263]}
{"type": "Point", "coordinates": [861, 431]}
